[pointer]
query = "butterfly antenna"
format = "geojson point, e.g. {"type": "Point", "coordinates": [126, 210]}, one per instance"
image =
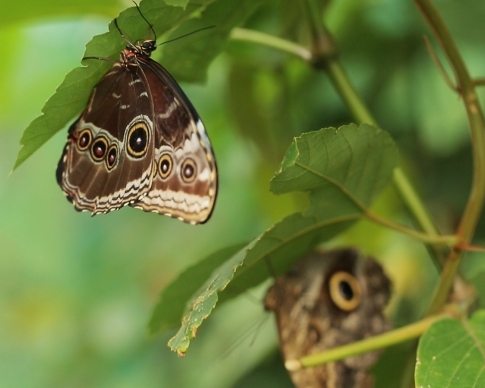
{"type": "Point", "coordinates": [249, 335]}
{"type": "Point", "coordinates": [183, 36]}
{"type": "Point", "coordinates": [150, 26]}
{"type": "Point", "coordinates": [129, 42]}
{"type": "Point", "coordinates": [100, 59]}
{"type": "Point", "coordinates": [124, 38]}
{"type": "Point", "coordinates": [145, 19]}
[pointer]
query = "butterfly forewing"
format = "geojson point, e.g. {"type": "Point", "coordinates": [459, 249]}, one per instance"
{"type": "Point", "coordinates": [139, 142]}
{"type": "Point", "coordinates": [98, 171]}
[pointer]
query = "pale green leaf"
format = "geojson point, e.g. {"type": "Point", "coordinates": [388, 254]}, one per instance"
{"type": "Point", "coordinates": [452, 354]}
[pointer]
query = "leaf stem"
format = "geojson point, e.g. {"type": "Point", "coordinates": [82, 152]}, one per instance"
{"type": "Point", "coordinates": [380, 341]}
{"type": "Point", "coordinates": [271, 41]}
{"type": "Point", "coordinates": [349, 95]}
{"type": "Point", "coordinates": [423, 237]}
{"type": "Point", "coordinates": [433, 239]}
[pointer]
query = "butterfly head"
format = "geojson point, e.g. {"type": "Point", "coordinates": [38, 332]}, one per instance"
{"type": "Point", "coordinates": [147, 47]}
{"type": "Point", "coordinates": [134, 51]}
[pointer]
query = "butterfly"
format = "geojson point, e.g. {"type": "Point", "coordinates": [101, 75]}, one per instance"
{"type": "Point", "coordinates": [329, 299]}
{"type": "Point", "coordinates": [139, 142]}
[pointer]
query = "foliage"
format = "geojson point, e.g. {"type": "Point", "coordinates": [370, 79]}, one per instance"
{"type": "Point", "coordinates": [451, 353]}
{"type": "Point", "coordinates": [336, 182]}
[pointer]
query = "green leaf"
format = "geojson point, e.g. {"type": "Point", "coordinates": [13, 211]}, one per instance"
{"type": "Point", "coordinates": [73, 93]}
{"type": "Point", "coordinates": [177, 3]}
{"type": "Point", "coordinates": [329, 214]}
{"type": "Point", "coordinates": [247, 268]}
{"type": "Point", "coordinates": [69, 99]}
{"type": "Point", "coordinates": [290, 158]}
{"type": "Point", "coordinates": [281, 245]}
{"type": "Point", "coordinates": [185, 59]}
{"type": "Point", "coordinates": [170, 306]}
{"type": "Point", "coordinates": [452, 354]}
{"type": "Point", "coordinates": [357, 161]}
{"type": "Point", "coordinates": [203, 302]}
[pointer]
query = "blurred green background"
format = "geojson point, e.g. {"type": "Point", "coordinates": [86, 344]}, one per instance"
{"type": "Point", "coordinates": [76, 292]}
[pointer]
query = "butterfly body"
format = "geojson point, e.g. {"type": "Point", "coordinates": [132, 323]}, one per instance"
{"type": "Point", "coordinates": [139, 142]}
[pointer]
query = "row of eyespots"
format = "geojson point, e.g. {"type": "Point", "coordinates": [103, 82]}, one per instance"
{"type": "Point", "coordinates": [188, 172]}
{"type": "Point", "coordinates": [99, 148]}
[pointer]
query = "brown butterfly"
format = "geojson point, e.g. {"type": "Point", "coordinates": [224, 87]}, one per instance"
{"type": "Point", "coordinates": [139, 142]}
{"type": "Point", "coordinates": [326, 300]}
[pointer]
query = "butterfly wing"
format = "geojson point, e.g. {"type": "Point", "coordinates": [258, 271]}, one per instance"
{"type": "Point", "coordinates": [184, 183]}
{"type": "Point", "coordinates": [329, 299]}
{"type": "Point", "coordinates": [108, 159]}
{"type": "Point", "coordinates": [139, 142]}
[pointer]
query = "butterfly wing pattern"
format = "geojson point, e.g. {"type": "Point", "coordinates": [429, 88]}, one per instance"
{"type": "Point", "coordinates": [139, 142]}
{"type": "Point", "coordinates": [329, 299]}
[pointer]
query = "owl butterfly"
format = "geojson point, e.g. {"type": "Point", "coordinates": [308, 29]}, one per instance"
{"type": "Point", "coordinates": [326, 300]}
{"type": "Point", "coordinates": [139, 142]}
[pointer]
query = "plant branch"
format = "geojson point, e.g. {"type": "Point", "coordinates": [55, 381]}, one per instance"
{"type": "Point", "coordinates": [426, 238]}
{"type": "Point", "coordinates": [271, 41]}
{"type": "Point", "coordinates": [374, 217]}
{"type": "Point", "coordinates": [366, 345]}
{"type": "Point", "coordinates": [474, 206]}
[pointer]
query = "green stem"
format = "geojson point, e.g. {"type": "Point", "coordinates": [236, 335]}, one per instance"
{"type": "Point", "coordinates": [271, 41]}
{"type": "Point", "coordinates": [369, 344]}
{"type": "Point", "coordinates": [426, 238]}
{"type": "Point", "coordinates": [358, 109]}
{"type": "Point", "coordinates": [474, 206]}
{"type": "Point", "coordinates": [349, 95]}
{"type": "Point", "coordinates": [370, 215]}
{"type": "Point", "coordinates": [414, 202]}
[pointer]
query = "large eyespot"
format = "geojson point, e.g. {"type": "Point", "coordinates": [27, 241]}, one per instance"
{"type": "Point", "coordinates": [189, 170]}
{"type": "Point", "coordinates": [138, 140]}
{"type": "Point", "coordinates": [112, 156]}
{"type": "Point", "coordinates": [345, 291]}
{"type": "Point", "coordinates": [84, 139]}
{"type": "Point", "coordinates": [165, 165]}
{"type": "Point", "coordinates": [99, 148]}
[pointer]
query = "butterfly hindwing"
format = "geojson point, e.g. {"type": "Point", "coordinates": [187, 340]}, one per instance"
{"type": "Point", "coordinates": [185, 184]}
